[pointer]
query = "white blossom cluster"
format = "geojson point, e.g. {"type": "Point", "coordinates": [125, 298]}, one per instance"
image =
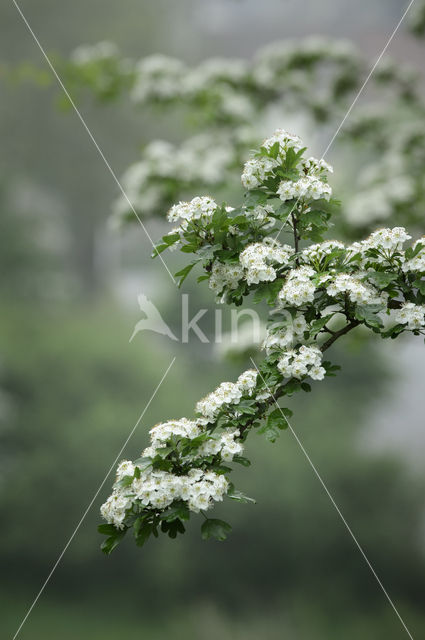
{"type": "Point", "coordinates": [228, 393]}
{"type": "Point", "coordinates": [158, 77]}
{"type": "Point", "coordinates": [385, 241]}
{"type": "Point", "coordinates": [163, 432]}
{"type": "Point", "coordinates": [199, 210]}
{"type": "Point", "coordinates": [298, 288]}
{"type": "Point", "coordinates": [311, 185]}
{"type": "Point", "coordinates": [161, 78]}
{"type": "Point", "coordinates": [417, 263]}
{"type": "Point", "coordinates": [258, 169]}
{"type": "Point", "coordinates": [412, 315]}
{"type": "Point", "coordinates": [262, 215]}
{"type": "Point", "coordinates": [87, 54]}
{"type": "Point", "coordinates": [159, 489]}
{"type": "Point", "coordinates": [392, 181]}
{"type": "Point", "coordinates": [314, 166]}
{"type": "Point", "coordinates": [316, 252]}
{"type": "Point", "coordinates": [224, 443]}
{"type": "Point", "coordinates": [225, 275]}
{"type": "Point", "coordinates": [201, 159]}
{"type": "Point", "coordinates": [380, 199]}
{"type": "Point", "coordinates": [308, 187]}
{"type": "Point", "coordinates": [278, 339]}
{"type": "Point", "coordinates": [357, 291]}
{"type": "Point", "coordinates": [305, 361]}
{"type": "Point", "coordinates": [257, 260]}
{"type": "Point", "coordinates": [273, 62]}
{"type": "Point", "coordinates": [115, 507]}
{"type": "Point", "coordinates": [214, 71]}
{"type": "Point", "coordinates": [352, 285]}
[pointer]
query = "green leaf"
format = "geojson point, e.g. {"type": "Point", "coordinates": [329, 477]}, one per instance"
{"type": "Point", "coordinates": [246, 408]}
{"type": "Point", "coordinates": [276, 421]}
{"type": "Point", "coordinates": [107, 529]}
{"type": "Point", "coordinates": [254, 197]}
{"type": "Point", "coordinates": [144, 533]}
{"type": "Point", "coordinates": [242, 460]}
{"type": "Point", "coordinates": [143, 463]}
{"type": "Point", "coordinates": [420, 284]}
{"type": "Point", "coordinates": [279, 418]}
{"type": "Point", "coordinates": [217, 529]}
{"type": "Point", "coordinates": [234, 494]}
{"type": "Point", "coordinates": [113, 541]}
{"type": "Point", "coordinates": [183, 273]}
{"type": "Point", "coordinates": [178, 511]}
{"type": "Point", "coordinates": [274, 150]}
{"type": "Point", "coordinates": [125, 482]}
{"type": "Point", "coordinates": [381, 278]}
{"type": "Point", "coordinates": [159, 248]}
{"type": "Point", "coordinates": [367, 314]}
{"type": "Point", "coordinates": [163, 452]}
{"type": "Point", "coordinates": [172, 528]}
{"type": "Point", "coordinates": [318, 325]}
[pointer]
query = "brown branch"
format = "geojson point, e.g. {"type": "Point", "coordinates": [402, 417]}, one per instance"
{"type": "Point", "coordinates": [338, 334]}
{"type": "Point", "coordinates": [296, 238]}
{"type": "Point", "coordinates": [394, 304]}
{"type": "Point", "coordinates": [280, 392]}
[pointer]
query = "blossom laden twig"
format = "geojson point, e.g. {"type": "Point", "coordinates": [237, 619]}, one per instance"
{"type": "Point", "coordinates": [318, 291]}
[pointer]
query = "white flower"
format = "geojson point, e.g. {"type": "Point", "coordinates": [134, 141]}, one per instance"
{"type": "Point", "coordinates": [197, 210]}
{"type": "Point", "coordinates": [357, 291]}
{"type": "Point", "coordinates": [298, 288]}
{"type": "Point", "coordinates": [209, 407]}
{"type": "Point", "coordinates": [308, 187]}
{"type": "Point", "coordinates": [158, 77]}
{"type": "Point", "coordinates": [416, 264]}
{"type": "Point", "coordinates": [225, 275]}
{"type": "Point", "coordinates": [257, 259]}
{"type": "Point", "coordinates": [114, 509]}
{"type": "Point", "coordinates": [285, 140]}
{"type": "Point", "coordinates": [256, 170]}
{"type": "Point", "coordinates": [304, 361]}
{"type": "Point", "coordinates": [411, 314]}
{"type": "Point", "coordinates": [125, 468]}
{"type": "Point", "coordinates": [313, 166]}
{"type": "Point", "coordinates": [184, 428]}
{"type": "Point", "coordinates": [321, 250]}
{"type": "Point", "coordinates": [247, 381]}
{"type": "Point", "coordinates": [389, 240]}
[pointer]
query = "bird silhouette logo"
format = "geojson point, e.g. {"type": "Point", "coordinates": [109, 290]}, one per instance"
{"type": "Point", "coordinates": [153, 320]}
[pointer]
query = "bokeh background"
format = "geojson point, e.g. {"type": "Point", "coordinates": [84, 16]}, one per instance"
{"type": "Point", "coordinates": [72, 387]}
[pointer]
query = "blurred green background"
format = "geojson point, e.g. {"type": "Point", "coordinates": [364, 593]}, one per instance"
{"type": "Point", "coordinates": [72, 387]}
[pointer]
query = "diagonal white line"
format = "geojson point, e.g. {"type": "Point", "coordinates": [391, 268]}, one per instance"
{"type": "Point", "coordinates": [53, 569]}
{"type": "Point", "coordinates": [359, 93]}
{"type": "Point", "coordinates": [338, 510]}
{"type": "Point", "coordinates": [371, 72]}
{"type": "Point", "coordinates": [91, 136]}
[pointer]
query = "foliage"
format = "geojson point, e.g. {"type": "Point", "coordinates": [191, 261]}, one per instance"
{"type": "Point", "coordinates": [227, 102]}
{"type": "Point", "coordinates": [318, 291]}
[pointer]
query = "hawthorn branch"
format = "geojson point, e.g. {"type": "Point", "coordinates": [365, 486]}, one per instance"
{"type": "Point", "coordinates": [337, 334]}
{"type": "Point", "coordinates": [296, 237]}
{"type": "Point", "coordinates": [281, 390]}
